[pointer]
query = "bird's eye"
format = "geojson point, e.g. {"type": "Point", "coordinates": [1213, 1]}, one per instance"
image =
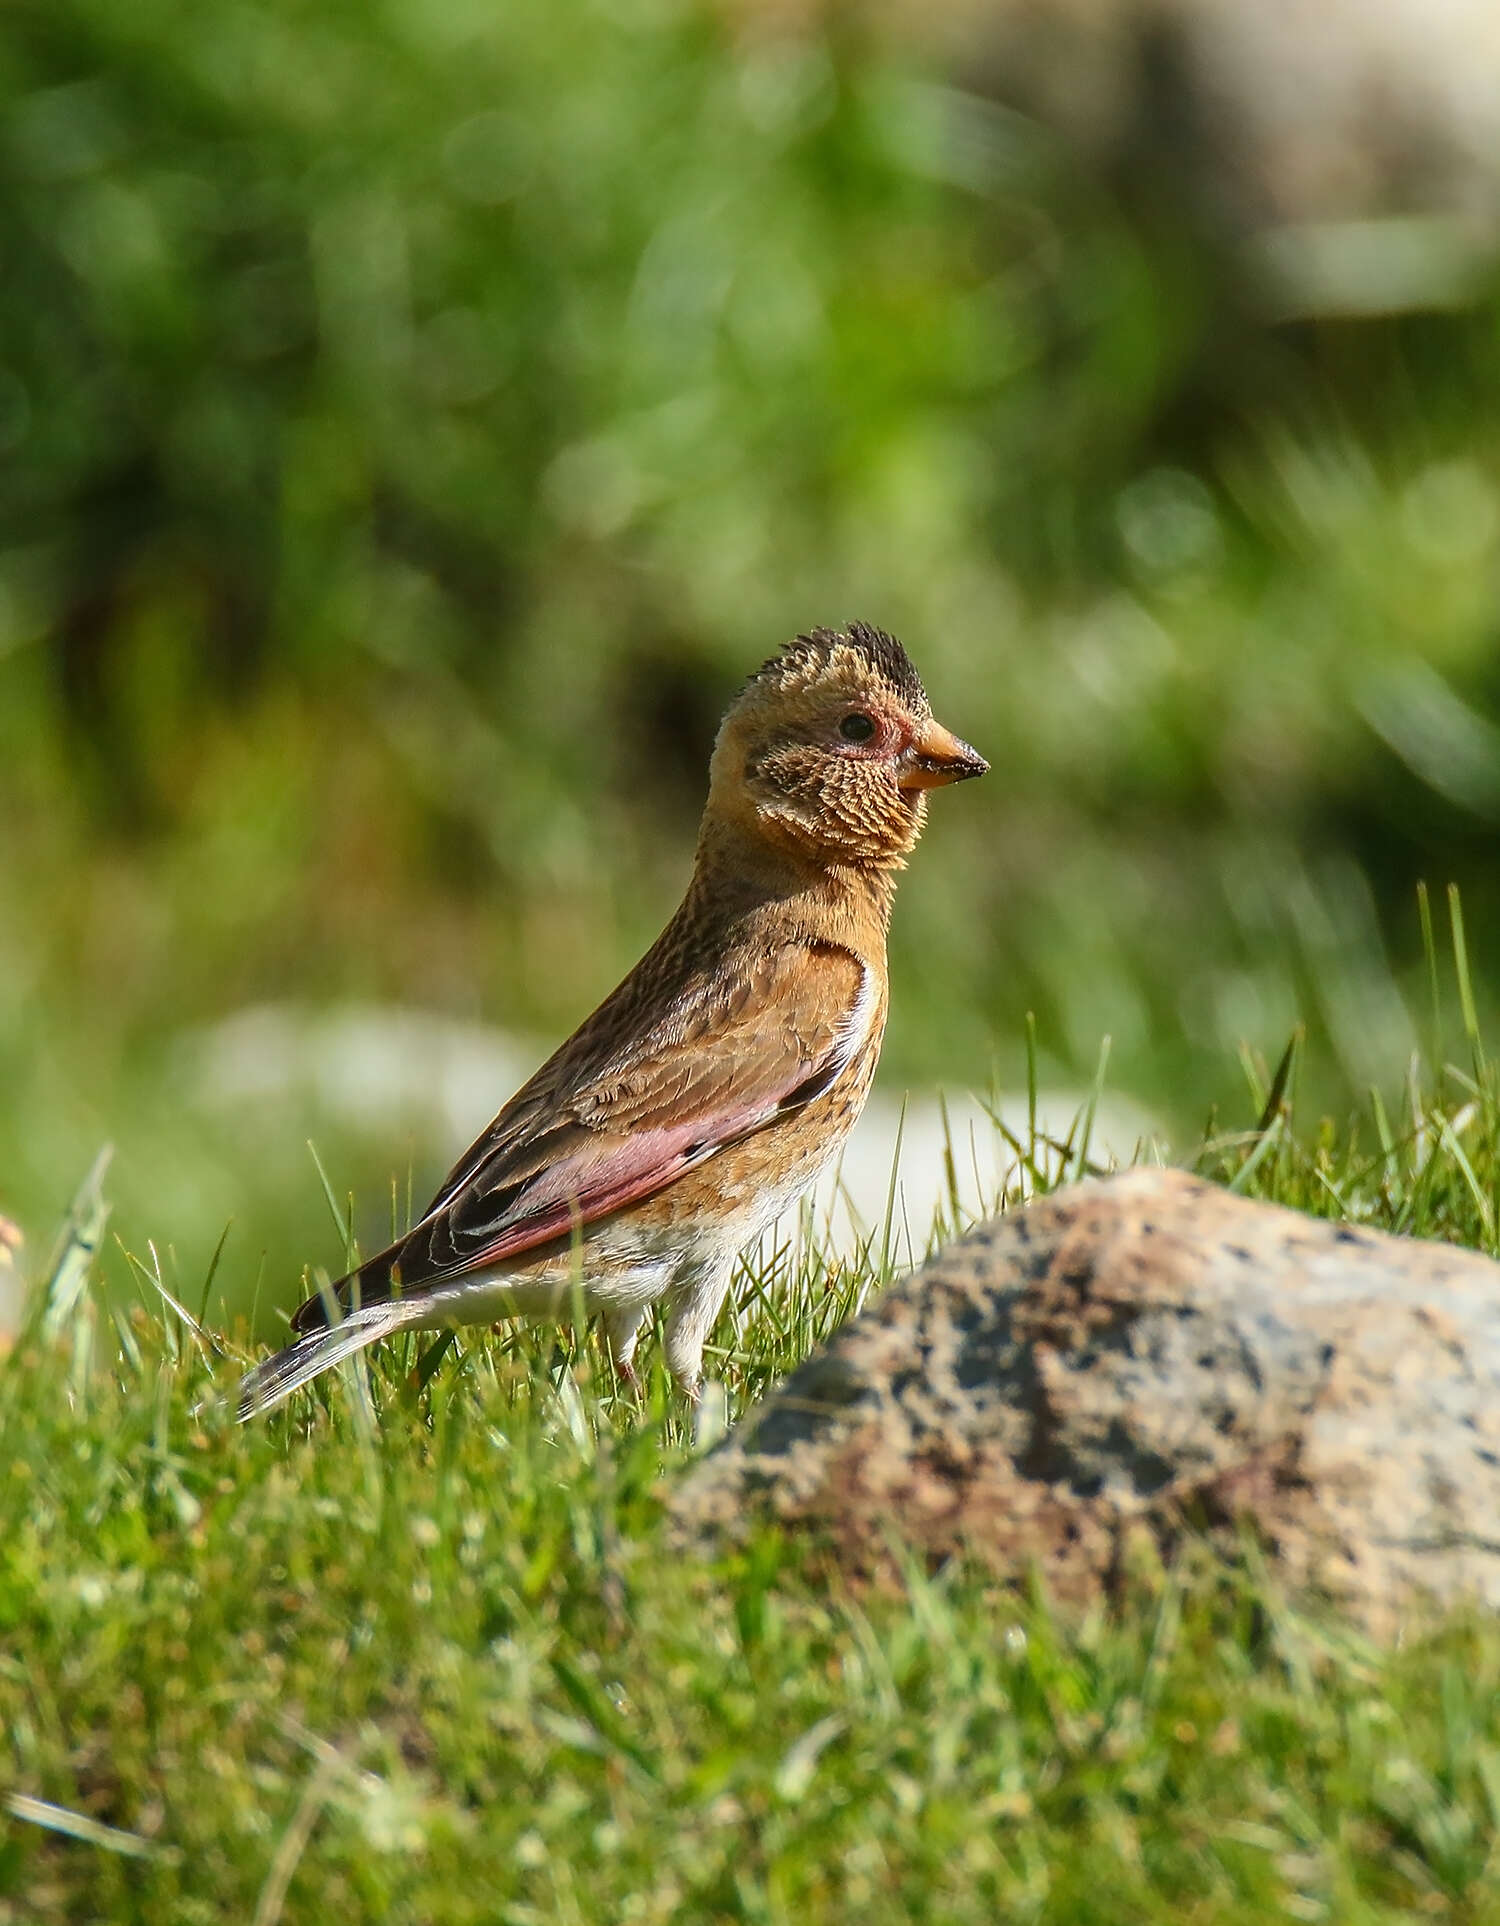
{"type": "Point", "coordinates": [857, 727]}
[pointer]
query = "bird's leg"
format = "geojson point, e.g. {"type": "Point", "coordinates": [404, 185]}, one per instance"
{"type": "Point", "coordinates": [691, 1314]}
{"type": "Point", "coordinates": [622, 1329]}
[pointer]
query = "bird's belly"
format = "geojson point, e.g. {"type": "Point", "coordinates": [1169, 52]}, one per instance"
{"type": "Point", "coordinates": [615, 1274]}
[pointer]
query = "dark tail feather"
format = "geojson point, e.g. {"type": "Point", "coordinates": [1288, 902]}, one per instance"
{"type": "Point", "coordinates": [375, 1282]}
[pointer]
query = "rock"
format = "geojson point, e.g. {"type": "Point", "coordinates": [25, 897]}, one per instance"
{"type": "Point", "coordinates": [1150, 1353]}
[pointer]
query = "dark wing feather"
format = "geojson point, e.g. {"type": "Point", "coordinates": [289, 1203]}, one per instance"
{"type": "Point", "coordinates": [619, 1113]}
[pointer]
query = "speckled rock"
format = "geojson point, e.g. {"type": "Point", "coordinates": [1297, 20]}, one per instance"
{"type": "Point", "coordinates": [1150, 1352]}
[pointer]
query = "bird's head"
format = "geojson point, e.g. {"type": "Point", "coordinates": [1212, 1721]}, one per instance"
{"type": "Point", "coordinates": [830, 749]}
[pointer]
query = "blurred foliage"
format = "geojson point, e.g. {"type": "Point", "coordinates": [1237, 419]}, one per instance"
{"type": "Point", "coordinates": [414, 419]}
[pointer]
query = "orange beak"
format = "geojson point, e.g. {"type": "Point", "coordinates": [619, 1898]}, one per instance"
{"type": "Point", "coordinates": [935, 757]}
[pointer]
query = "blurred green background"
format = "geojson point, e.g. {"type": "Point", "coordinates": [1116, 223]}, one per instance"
{"type": "Point", "coordinates": [416, 418]}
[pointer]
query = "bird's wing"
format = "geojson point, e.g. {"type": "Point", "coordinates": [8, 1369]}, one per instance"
{"type": "Point", "coordinates": [598, 1129]}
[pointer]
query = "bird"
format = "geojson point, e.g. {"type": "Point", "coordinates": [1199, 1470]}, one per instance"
{"type": "Point", "coordinates": [710, 1089]}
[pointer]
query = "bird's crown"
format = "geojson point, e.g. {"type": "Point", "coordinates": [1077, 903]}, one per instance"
{"type": "Point", "coordinates": [853, 654]}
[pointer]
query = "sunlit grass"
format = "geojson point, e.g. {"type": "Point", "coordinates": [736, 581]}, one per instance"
{"type": "Point", "coordinates": [417, 1649]}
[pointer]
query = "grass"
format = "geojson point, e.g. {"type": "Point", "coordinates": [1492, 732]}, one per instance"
{"type": "Point", "coordinates": [422, 1654]}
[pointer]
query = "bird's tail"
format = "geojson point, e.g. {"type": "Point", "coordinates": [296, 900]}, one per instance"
{"type": "Point", "coordinates": [274, 1381]}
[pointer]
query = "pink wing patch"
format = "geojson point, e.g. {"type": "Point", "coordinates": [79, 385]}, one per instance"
{"type": "Point", "coordinates": [579, 1189]}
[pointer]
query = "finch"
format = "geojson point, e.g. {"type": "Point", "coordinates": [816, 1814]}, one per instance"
{"type": "Point", "coordinates": [712, 1087]}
